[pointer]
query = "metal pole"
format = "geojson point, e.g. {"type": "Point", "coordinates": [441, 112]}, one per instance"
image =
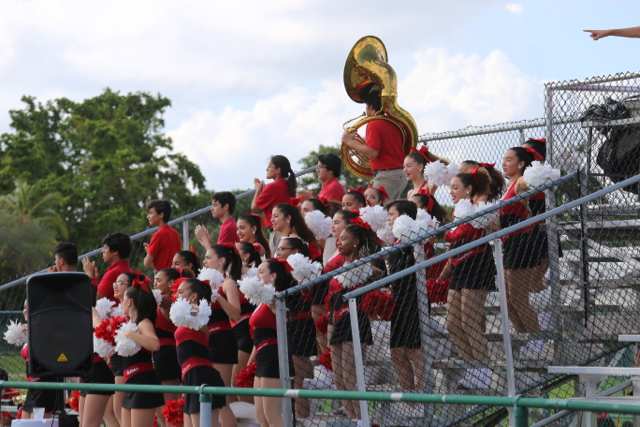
{"type": "Point", "coordinates": [283, 355]}
{"type": "Point", "coordinates": [522, 416]}
{"type": "Point", "coordinates": [584, 248]}
{"type": "Point", "coordinates": [205, 409]}
{"type": "Point", "coordinates": [185, 235]}
{"type": "Point", "coordinates": [506, 334]}
{"type": "Point", "coordinates": [357, 354]}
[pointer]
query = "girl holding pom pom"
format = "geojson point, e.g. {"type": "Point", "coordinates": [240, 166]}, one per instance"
{"type": "Point", "coordinates": [193, 356]}
{"type": "Point", "coordinates": [138, 408]}
{"type": "Point", "coordinates": [249, 228]}
{"type": "Point", "coordinates": [414, 165]}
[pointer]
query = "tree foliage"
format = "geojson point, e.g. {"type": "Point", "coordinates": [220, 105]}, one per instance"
{"type": "Point", "coordinates": [311, 182]}
{"type": "Point", "coordinates": [107, 156]}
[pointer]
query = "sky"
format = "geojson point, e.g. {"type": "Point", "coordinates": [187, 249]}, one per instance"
{"type": "Point", "coordinates": [250, 79]}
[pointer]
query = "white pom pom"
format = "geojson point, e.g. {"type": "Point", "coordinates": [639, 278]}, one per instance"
{"type": "Point", "coordinates": [103, 307]}
{"type": "Point", "coordinates": [375, 216]}
{"type": "Point", "coordinates": [386, 235]}
{"type": "Point", "coordinates": [126, 347]}
{"type": "Point", "coordinates": [117, 311]}
{"type": "Point", "coordinates": [319, 224]}
{"type": "Point", "coordinates": [355, 276]}
{"type": "Point", "coordinates": [485, 220]}
{"type": "Point", "coordinates": [180, 312]}
{"type": "Point", "coordinates": [402, 227]}
{"type": "Point", "coordinates": [452, 170]}
{"type": "Point", "coordinates": [201, 318]}
{"type": "Point", "coordinates": [102, 348]}
{"type": "Point", "coordinates": [303, 269]}
{"type": "Point", "coordinates": [214, 277]}
{"type": "Point", "coordinates": [215, 294]}
{"type": "Point", "coordinates": [463, 209]}
{"type": "Point", "coordinates": [15, 335]}
{"type": "Point", "coordinates": [255, 291]}
{"type": "Point", "coordinates": [263, 295]}
{"type": "Point", "coordinates": [158, 296]}
{"type": "Point", "coordinates": [250, 273]}
{"type": "Point", "coordinates": [538, 174]}
{"type": "Point", "coordinates": [422, 226]}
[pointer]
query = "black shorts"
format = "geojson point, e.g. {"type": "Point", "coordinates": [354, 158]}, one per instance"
{"type": "Point", "coordinates": [476, 272]}
{"type": "Point", "coordinates": [196, 377]}
{"type": "Point", "coordinates": [140, 400]}
{"type": "Point", "coordinates": [320, 292]}
{"type": "Point", "coordinates": [165, 362]}
{"type": "Point", "coordinates": [342, 329]}
{"type": "Point", "coordinates": [42, 398]}
{"type": "Point", "coordinates": [267, 361]}
{"type": "Point", "coordinates": [223, 348]}
{"type": "Point", "coordinates": [101, 374]}
{"type": "Point", "coordinates": [405, 330]}
{"type": "Point", "coordinates": [301, 336]}
{"type": "Point", "coordinates": [243, 336]}
{"type": "Point", "coordinates": [520, 251]}
{"type": "Point", "coordinates": [116, 365]}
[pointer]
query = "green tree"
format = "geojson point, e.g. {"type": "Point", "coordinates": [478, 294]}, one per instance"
{"type": "Point", "coordinates": [347, 179]}
{"type": "Point", "coordinates": [107, 156]}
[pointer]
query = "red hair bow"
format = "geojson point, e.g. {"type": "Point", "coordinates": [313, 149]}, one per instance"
{"type": "Point", "coordinates": [287, 266]}
{"type": "Point", "coordinates": [360, 223]}
{"type": "Point", "coordinates": [295, 202]}
{"type": "Point", "coordinates": [323, 200]}
{"type": "Point", "coordinates": [258, 217]}
{"type": "Point", "coordinates": [539, 139]}
{"type": "Point", "coordinates": [423, 152]}
{"type": "Point", "coordinates": [487, 165]}
{"type": "Point", "coordinates": [193, 251]}
{"type": "Point", "coordinates": [141, 283]}
{"type": "Point", "coordinates": [535, 153]}
{"type": "Point", "coordinates": [425, 191]}
{"type": "Point", "coordinates": [231, 246]}
{"type": "Point", "coordinates": [381, 190]}
{"type": "Point", "coordinates": [357, 190]}
{"type": "Point", "coordinates": [474, 174]}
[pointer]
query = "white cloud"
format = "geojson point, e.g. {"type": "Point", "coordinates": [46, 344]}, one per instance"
{"type": "Point", "coordinates": [514, 8]}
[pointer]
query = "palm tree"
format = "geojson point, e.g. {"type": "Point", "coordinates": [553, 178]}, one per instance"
{"type": "Point", "coordinates": [25, 201]}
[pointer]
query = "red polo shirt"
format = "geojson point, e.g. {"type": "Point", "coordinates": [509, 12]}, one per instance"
{"type": "Point", "coordinates": [386, 139]}
{"type": "Point", "coordinates": [105, 287]}
{"type": "Point", "coordinates": [164, 244]}
{"type": "Point", "coordinates": [272, 195]}
{"type": "Point", "coordinates": [332, 190]}
{"type": "Point", "coordinates": [228, 232]}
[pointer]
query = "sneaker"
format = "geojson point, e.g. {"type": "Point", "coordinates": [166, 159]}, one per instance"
{"type": "Point", "coordinates": [325, 376]}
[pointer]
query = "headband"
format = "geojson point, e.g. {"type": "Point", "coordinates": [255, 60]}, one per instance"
{"type": "Point", "coordinates": [381, 190]}
{"type": "Point", "coordinates": [231, 246]}
{"type": "Point", "coordinates": [426, 193]}
{"type": "Point", "coordinates": [357, 190]}
{"type": "Point", "coordinates": [258, 217]}
{"type": "Point", "coordinates": [141, 283]}
{"type": "Point", "coordinates": [535, 153]}
{"type": "Point", "coordinates": [539, 139]}
{"type": "Point", "coordinates": [285, 264]}
{"type": "Point", "coordinates": [474, 174]}
{"type": "Point", "coordinates": [487, 165]}
{"type": "Point", "coordinates": [423, 152]}
{"type": "Point", "coordinates": [360, 223]}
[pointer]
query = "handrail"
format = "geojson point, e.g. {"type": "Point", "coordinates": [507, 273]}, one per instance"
{"type": "Point", "coordinates": [152, 230]}
{"type": "Point", "coordinates": [487, 239]}
{"type": "Point", "coordinates": [423, 237]}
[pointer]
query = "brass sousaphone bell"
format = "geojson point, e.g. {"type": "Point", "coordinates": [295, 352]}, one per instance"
{"type": "Point", "coordinates": [366, 69]}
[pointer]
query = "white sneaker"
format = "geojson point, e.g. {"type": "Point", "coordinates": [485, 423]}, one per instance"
{"type": "Point", "coordinates": [340, 411]}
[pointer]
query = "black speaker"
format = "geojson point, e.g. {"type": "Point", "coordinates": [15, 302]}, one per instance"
{"type": "Point", "coordinates": [60, 324]}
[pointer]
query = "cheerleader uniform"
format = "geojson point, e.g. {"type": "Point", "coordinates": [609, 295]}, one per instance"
{"type": "Point", "coordinates": [138, 369]}
{"type": "Point", "coordinates": [101, 374]}
{"type": "Point", "coordinates": [165, 360]}
{"type": "Point", "coordinates": [265, 338]}
{"type": "Point", "coordinates": [475, 268]}
{"type": "Point", "coordinates": [115, 364]}
{"type": "Point", "coordinates": [39, 398]}
{"type": "Point", "coordinates": [322, 289]}
{"type": "Point", "coordinates": [196, 367]}
{"type": "Point", "coordinates": [405, 322]}
{"type": "Point", "coordinates": [340, 317]}
{"type": "Point", "coordinates": [223, 347]}
{"type": "Point", "coordinates": [519, 250]}
{"type": "Point", "coordinates": [301, 328]}
{"type": "Point", "coordinates": [241, 327]}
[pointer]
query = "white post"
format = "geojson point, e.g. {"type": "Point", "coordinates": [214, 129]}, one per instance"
{"type": "Point", "coordinates": [357, 350]}
{"type": "Point", "coordinates": [283, 355]}
{"type": "Point", "coordinates": [205, 409]}
{"type": "Point", "coordinates": [185, 235]}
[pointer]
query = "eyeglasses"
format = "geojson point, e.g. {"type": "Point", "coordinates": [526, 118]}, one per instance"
{"type": "Point", "coordinates": [321, 167]}
{"type": "Point", "coordinates": [118, 283]}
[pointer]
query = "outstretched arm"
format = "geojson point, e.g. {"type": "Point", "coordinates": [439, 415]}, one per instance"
{"type": "Point", "coordinates": [620, 32]}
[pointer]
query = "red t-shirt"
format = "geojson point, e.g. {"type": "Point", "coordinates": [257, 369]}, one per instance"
{"type": "Point", "coordinates": [386, 139]}
{"type": "Point", "coordinates": [105, 287]}
{"type": "Point", "coordinates": [332, 190]}
{"type": "Point", "coordinates": [272, 195]}
{"type": "Point", "coordinates": [164, 244]}
{"type": "Point", "coordinates": [228, 233]}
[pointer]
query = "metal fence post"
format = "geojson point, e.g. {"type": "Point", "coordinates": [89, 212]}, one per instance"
{"type": "Point", "coordinates": [506, 333]}
{"type": "Point", "coordinates": [283, 355]}
{"type": "Point", "coordinates": [521, 416]}
{"type": "Point", "coordinates": [428, 356]}
{"type": "Point", "coordinates": [584, 248]}
{"type": "Point", "coordinates": [357, 350]}
{"type": "Point", "coordinates": [205, 409]}
{"type": "Point", "coordinates": [185, 235]}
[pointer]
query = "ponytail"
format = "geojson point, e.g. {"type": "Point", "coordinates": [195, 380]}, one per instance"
{"type": "Point", "coordinates": [479, 182]}
{"type": "Point", "coordinates": [254, 257]}
{"type": "Point", "coordinates": [197, 287]}
{"type": "Point", "coordinates": [282, 163]}
{"type": "Point", "coordinates": [498, 185]}
{"type": "Point", "coordinates": [191, 258]}
{"type": "Point", "coordinates": [233, 262]}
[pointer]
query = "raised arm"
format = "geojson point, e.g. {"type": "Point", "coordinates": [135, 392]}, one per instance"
{"type": "Point", "coordinates": [633, 32]}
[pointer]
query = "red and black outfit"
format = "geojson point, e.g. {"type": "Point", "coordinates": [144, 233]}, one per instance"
{"type": "Point", "coordinates": [165, 360]}
{"type": "Point", "coordinates": [241, 327]}
{"type": "Point", "coordinates": [340, 317]}
{"type": "Point", "coordinates": [138, 369]}
{"type": "Point", "coordinates": [321, 290]}
{"type": "Point", "coordinates": [193, 355]}
{"type": "Point", "coordinates": [519, 250]}
{"type": "Point", "coordinates": [475, 268]}
{"type": "Point", "coordinates": [38, 398]}
{"type": "Point", "coordinates": [223, 347]}
{"type": "Point", "coordinates": [265, 340]}
{"type": "Point", "coordinates": [301, 328]}
{"type": "Point", "coordinates": [405, 322]}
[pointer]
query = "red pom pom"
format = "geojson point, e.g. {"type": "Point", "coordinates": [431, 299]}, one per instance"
{"type": "Point", "coordinates": [378, 305]}
{"type": "Point", "coordinates": [244, 378]}
{"type": "Point", "coordinates": [103, 330]}
{"type": "Point", "coordinates": [155, 420]}
{"type": "Point", "coordinates": [325, 359]}
{"type": "Point", "coordinates": [437, 290]}
{"type": "Point", "coordinates": [19, 414]}
{"type": "Point", "coordinates": [327, 303]}
{"type": "Point", "coordinates": [172, 412]}
{"type": "Point", "coordinates": [74, 401]}
{"type": "Point", "coordinates": [322, 324]}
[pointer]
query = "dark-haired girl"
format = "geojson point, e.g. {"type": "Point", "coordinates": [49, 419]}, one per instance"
{"type": "Point", "coordinates": [413, 169]}
{"type": "Point", "coordinates": [186, 259]}
{"type": "Point", "coordinates": [265, 338]}
{"type": "Point", "coordinates": [375, 196]}
{"type": "Point", "coordinates": [497, 186]}
{"type": "Point", "coordinates": [193, 356]}
{"type": "Point", "coordinates": [288, 221]}
{"type": "Point", "coordinates": [472, 278]}
{"type": "Point", "coordinates": [138, 408]}
{"type": "Point", "coordinates": [223, 346]}
{"type": "Point", "coordinates": [519, 255]}
{"type": "Point", "coordinates": [249, 228]}
{"type": "Point", "coordinates": [354, 200]}
{"type": "Point", "coordinates": [280, 191]}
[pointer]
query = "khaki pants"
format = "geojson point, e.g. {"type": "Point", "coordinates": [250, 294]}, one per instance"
{"type": "Point", "coordinates": [274, 241]}
{"type": "Point", "coordinates": [393, 182]}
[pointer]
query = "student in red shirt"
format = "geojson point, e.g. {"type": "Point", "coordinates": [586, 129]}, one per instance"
{"type": "Point", "coordinates": [116, 251]}
{"type": "Point", "coordinates": [329, 168]}
{"type": "Point", "coordinates": [223, 204]}
{"type": "Point", "coordinates": [383, 147]}
{"type": "Point", "coordinates": [269, 196]}
{"type": "Point", "coordinates": [166, 241]}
